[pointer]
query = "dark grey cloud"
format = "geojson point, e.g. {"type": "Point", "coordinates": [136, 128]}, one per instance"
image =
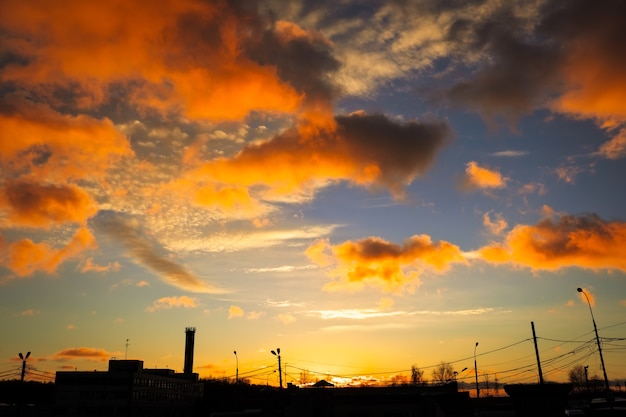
{"type": "Point", "coordinates": [528, 62]}
{"type": "Point", "coordinates": [402, 151]}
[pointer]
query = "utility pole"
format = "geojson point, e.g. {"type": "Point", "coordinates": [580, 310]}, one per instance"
{"type": "Point", "coordinates": [532, 325]}
{"type": "Point", "coordinates": [476, 372]}
{"type": "Point", "coordinates": [595, 329]}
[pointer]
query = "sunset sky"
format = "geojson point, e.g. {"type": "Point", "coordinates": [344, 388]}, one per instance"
{"type": "Point", "coordinates": [366, 185]}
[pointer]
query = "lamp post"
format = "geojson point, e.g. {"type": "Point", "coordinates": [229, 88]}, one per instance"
{"type": "Point", "coordinates": [595, 329]}
{"type": "Point", "coordinates": [23, 358]}
{"type": "Point", "coordinates": [280, 373]}
{"type": "Point", "coordinates": [21, 397]}
{"type": "Point", "coordinates": [456, 374]}
{"type": "Point", "coordinates": [236, 368]}
{"type": "Point", "coordinates": [476, 372]}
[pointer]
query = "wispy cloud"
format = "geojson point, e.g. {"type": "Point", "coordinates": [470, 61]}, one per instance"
{"type": "Point", "coordinates": [282, 303]}
{"type": "Point", "coordinates": [283, 268]}
{"type": "Point", "coordinates": [145, 252]}
{"type": "Point", "coordinates": [233, 242]}
{"type": "Point", "coordinates": [166, 303]}
{"type": "Point", "coordinates": [509, 154]}
{"type": "Point", "coordinates": [286, 318]}
{"type": "Point", "coordinates": [354, 314]}
{"type": "Point", "coordinates": [28, 313]}
{"type": "Point", "coordinates": [367, 314]}
{"type": "Point", "coordinates": [89, 265]}
{"type": "Point", "coordinates": [495, 226]}
{"type": "Point", "coordinates": [365, 327]}
{"type": "Point", "coordinates": [88, 353]}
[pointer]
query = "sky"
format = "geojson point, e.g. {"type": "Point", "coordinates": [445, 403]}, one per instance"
{"type": "Point", "coordinates": [368, 186]}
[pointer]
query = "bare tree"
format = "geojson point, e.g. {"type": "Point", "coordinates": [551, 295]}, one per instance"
{"type": "Point", "coordinates": [496, 386]}
{"type": "Point", "coordinates": [487, 389]}
{"type": "Point", "coordinates": [417, 375]}
{"type": "Point", "coordinates": [305, 377]}
{"type": "Point", "coordinates": [444, 372]}
{"type": "Point", "coordinates": [577, 378]}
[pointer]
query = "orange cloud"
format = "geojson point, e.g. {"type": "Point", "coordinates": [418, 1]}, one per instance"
{"type": "Point", "coordinates": [567, 241]}
{"type": "Point", "coordinates": [616, 147]}
{"type": "Point", "coordinates": [235, 311]}
{"type": "Point", "coordinates": [38, 142]}
{"type": "Point", "coordinates": [88, 265]}
{"type": "Point", "coordinates": [83, 353]}
{"type": "Point", "coordinates": [378, 263]}
{"type": "Point", "coordinates": [165, 303]}
{"type": "Point", "coordinates": [182, 56]}
{"type": "Point", "coordinates": [596, 86]}
{"type": "Point", "coordinates": [476, 178]}
{"type": "Point", "coordinates": [496, 226]}
{"type": "Point", "coordinates": [37, 205]}
{"type": "Point", "coordinates": [570, 65]}
{"type": "Point", "coordinates": [25, 257]}
{"type": "Point", "coordinates": [366, 150]}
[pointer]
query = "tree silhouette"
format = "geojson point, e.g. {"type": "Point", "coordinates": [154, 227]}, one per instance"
{"type": "Point", "coordinates": [444, 372]}
{"type": "Point", "coordinates": [417, 375]}
{"type": "Point", "coordinates": [576, 377]}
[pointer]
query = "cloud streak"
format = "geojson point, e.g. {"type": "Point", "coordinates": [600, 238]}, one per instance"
{"type": "Point", "coordinates": [146, 253]}
{"type": "Point", "coordinates": [94, 354]}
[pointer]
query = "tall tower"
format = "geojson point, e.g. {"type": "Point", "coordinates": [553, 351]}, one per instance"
{"type": "Point", "coordinates": [190, 333]}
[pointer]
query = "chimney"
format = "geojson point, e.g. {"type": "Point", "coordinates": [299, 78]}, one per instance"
{"type": "Point", "coordinates": [190, 333]}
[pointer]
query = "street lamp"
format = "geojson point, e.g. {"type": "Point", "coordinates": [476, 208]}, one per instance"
{"type": "Point", "coordinates": [456, 374]}
{"type": "Point", "coordinates": [595, 328]}
{"type": "Point", "coordinates": [23, 358]}
{"type": "Point", "coordinates": [236, 368]}
{"type": "Point", "coordinates": [280, 374]}
{"type": "Point", "coordinates": [476, 372]}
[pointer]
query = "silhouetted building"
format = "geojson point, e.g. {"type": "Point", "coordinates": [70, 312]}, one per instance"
{"type": "Point", "coordinates": [127, 389]}
{"type": "Point", "coordinates": [400, 401]}
{"type": "Point", "coordinates": [190, 333]}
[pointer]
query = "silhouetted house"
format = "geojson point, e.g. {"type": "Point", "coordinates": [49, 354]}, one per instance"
{"type": "Point", "coordinates": [323, 384]}
{"type": "Point", "coordinates": [127, 389]}
{"type": "Point", "coordinates": [400, 401]}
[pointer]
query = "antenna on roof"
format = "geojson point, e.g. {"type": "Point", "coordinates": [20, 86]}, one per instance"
{"type": "Point", "coordinates": [126, 355]}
